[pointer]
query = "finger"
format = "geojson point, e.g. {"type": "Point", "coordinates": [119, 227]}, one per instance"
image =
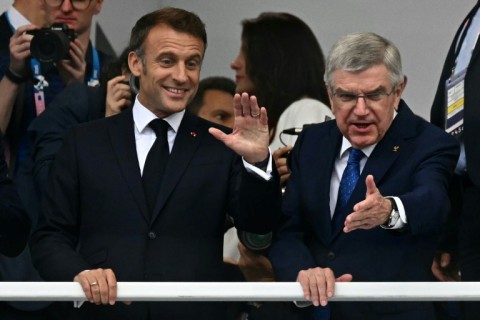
{"type": "Point", "coordinates": [330, 281]}
{"type": "Point", "coordinates": [284, 178]}
{"type": "Point", "coordinates": [303, 279]}
{"type": "Point", "coordinates": [371, 187]}
{"type": "Point", "coordinates": [237, 106]}
{"type": "Point", "coordinates": [437, 273]}
{"type": "Point", "coordinates": [112, 287]}
{"type": "Point", "coordinates": [445, 260]}
{"type": "Point", "coordinates": [83, 280]}
{"type": "Point", "coordinates": [78, 48]}
{"type": "Point", "coordinates": [245, 103]}
{"type": "Point", "coordinates": [118, 79]}
{"type": "Point", "coordinates": [102, 290]}
{"type": "Point", "coordinates": [263, 116]}
{"type": "Point", "coordinates": [282, 168]}
{"type": "Point", "coordinates": [347, 277]}
{"type": "Point", "coordinates": [95, 290]}
{"type": "Point", "coordinates": [254, 108]}
{"type": "Point", "coordinates": [218, 134]}
{"type": "Point", "coordinates": [280, 152]}
{"type": "Point", "coordinates": [21, 30]}
{"type": "Point", "coordinates": [318, 287]}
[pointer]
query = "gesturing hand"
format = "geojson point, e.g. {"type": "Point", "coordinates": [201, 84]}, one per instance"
{"type": "Point", "coordinates": [250, 136]}
{"type": "Point", "coordinates": [371, 212]}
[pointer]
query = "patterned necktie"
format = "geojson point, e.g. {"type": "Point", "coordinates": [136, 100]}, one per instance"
{"type": "Point", "coordinates": [156, 162]}
{"type": "Point", "coordinates": [347, 184]}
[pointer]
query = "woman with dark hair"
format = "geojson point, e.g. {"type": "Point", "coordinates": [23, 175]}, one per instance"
{"type": "Point", "coordinates": [282, 64]}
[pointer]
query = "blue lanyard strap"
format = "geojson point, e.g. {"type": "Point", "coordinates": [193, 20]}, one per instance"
{"type": "Point", "coordinates": [94, 79]}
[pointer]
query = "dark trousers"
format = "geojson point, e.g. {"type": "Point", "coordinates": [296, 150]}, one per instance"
{"type": "Point", "coordinates": [469, 242]}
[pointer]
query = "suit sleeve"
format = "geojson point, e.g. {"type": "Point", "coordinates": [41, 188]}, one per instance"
{"type": "Point", "coordinates": [427, 201]}
{"type": "Point", "coordinates": [255, 202]}
{"type": "Point", "coordinates": [288, 253]}
{"type": "Point", "coordinates": [14, 222]}
{"type": "Point", "coordinates": [69, 108]}
{"type": "Point", "coordinates": [56, 237]}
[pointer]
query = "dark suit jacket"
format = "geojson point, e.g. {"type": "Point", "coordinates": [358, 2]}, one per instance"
{"type": "Point", "coordinates": [413, 161]}
{"type": "Point", "coordinates": [95, 215]}
{"type": "Point", "coordinates": [472, 100]}
{"type": "Point", "coordinates": [14, 222]}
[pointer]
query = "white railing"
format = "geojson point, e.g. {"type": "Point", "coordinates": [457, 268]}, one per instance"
{"type": "Point", "coordinates": [245, 291]}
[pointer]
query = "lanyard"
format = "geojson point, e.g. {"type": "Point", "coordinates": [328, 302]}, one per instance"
{"type": "Point", "coordinates": [41, 83]}
{"type": "Point", "coordinates": [463, 34]}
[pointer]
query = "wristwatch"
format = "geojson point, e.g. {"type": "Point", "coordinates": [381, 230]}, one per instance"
{"type": "Point", "coordinates": [394, 215]}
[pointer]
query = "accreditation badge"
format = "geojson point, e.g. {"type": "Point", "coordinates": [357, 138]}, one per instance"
{"type": "Point", "coordinates": [455, 104]}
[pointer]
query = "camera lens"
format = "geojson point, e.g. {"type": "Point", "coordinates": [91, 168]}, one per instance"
{"type": "Point", "coordinates": [254, 241]}
{"type": "Point", "coordinates": [50, 45]}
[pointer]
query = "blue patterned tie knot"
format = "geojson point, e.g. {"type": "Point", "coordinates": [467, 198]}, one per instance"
{"type": "Point", "coordinates": [350, 177]}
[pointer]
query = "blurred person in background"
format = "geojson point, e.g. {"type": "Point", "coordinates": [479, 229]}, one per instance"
{"type": "Point", "coordinates": [214, 100]}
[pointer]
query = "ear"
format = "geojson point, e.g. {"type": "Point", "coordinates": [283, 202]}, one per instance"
{"type": "Point", "coordinates": [330, 97]}
{"type": "Point", "coordinates": [401, 86]}
{"type": "Point", "coordinates": [135, 64]}
{"type": "Point", "coordinates": [399, 90]}
{"type": "Point", "coordinates": [98, 6]}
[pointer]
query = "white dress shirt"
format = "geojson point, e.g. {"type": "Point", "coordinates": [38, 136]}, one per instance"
{"type": "Point", "coordinates": [340, 165]}
{"type": "Point", "coordinates": [145, 137]}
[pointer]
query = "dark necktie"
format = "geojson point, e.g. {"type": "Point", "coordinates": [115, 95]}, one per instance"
{"type": "Point", "coordinates": [155, 163]}
{"type": "Point", "coordinates": [347, 184]}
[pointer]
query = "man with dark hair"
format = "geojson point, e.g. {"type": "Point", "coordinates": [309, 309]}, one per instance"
{"type": "Point", "coordinates": [213, 101]}
{"type": "Point", "coordinates": [142, 195]}
{"type": "Point", "coordinates": [456, 110]}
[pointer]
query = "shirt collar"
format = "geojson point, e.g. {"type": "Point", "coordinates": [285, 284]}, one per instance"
{"type": "Point", "coordinates": [16, 18]}
{"type": "Point", "coordinates": [347, 145]}
{"type": "Point", "coordinates": [142, 117]}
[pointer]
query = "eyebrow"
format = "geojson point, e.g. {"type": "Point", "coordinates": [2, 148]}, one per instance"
{"type": "Point", "coordinates": [378, 89]}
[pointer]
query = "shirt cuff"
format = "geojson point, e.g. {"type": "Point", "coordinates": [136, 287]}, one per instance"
{"type": "Point", "coordinates": [267, 174]}
{"type": "Point", "coordinates": [402, 222]}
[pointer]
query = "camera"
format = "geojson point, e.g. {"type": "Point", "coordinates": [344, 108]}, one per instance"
{"type": "Point", "coordinates": [255, 242]}
{"type": "Point", "coordinates": [53, 43]}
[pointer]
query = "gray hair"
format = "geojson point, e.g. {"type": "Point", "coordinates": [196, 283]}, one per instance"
{"type": "Point", "coordinates": [360, 51]}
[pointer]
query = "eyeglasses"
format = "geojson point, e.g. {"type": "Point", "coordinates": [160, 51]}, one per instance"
{"type": "Point", "coordinates": [348, 99]}
{"type": "Point", "coordinates": [76, 4]}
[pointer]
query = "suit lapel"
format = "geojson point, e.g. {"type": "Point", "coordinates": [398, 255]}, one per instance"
{"type": "Point", "coordinates": [383, 157]}
{"type": "Point", "coordinates": [122, 138]}
{"type": "Point", "coordinates": [320, 187]}
{"type": "Point", "coordinates": [187, 140]}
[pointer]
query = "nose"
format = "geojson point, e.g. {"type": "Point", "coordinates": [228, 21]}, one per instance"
{"type": "Point", "coordinates": [66, 6]}
{"type": "Point", "coordinates": [235, 65]}
{"type": "Point", "coordinates": [361, 107]}
{"type": "Point", "coordinates": [180, 73]}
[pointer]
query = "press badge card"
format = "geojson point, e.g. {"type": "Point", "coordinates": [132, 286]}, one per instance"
{"type": "Point", "coordinates": [455, 104]}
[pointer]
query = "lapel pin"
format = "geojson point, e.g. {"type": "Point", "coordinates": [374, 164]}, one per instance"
{"type": "Point", "coordinates": [193, 134]}
{"type": "Point", "coordinates": [396, 148]}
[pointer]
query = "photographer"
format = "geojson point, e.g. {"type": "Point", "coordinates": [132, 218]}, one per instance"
{"type": "Point", "coordinates": [29, 84]}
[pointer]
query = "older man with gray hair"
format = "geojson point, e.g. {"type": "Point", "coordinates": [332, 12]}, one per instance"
{"type": "Point", "coordinates": [368, 191]}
